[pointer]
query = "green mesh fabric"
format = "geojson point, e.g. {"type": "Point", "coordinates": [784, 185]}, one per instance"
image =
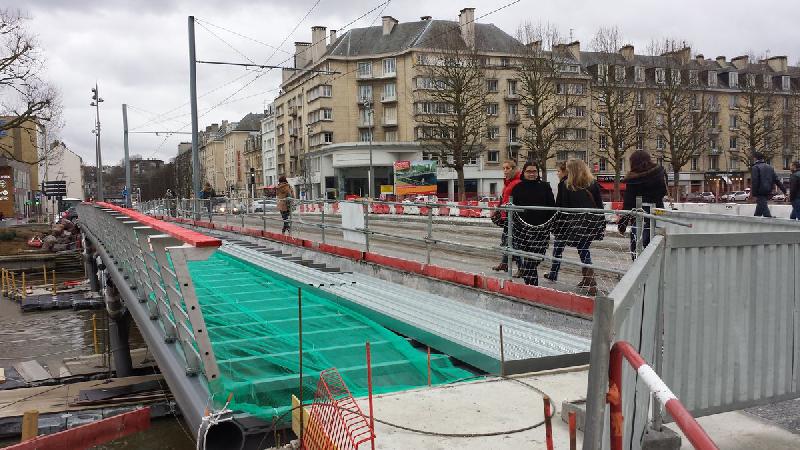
{"type": "Point", "coordinates": [251, 316]}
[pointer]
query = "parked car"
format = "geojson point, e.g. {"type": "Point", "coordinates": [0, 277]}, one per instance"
{"type": "Point", "coordinates": [694, 197]}
{"type": "Point", "coordinates": [268, 204]}
{"type": "Point", "coordinates": [488, 198]}
{"type": "Point", "coordinates": [779, 197]}
{"type": "Point", "coordinates": [739, 196]}
{"type": "Point", "coordinates": [708, 197]}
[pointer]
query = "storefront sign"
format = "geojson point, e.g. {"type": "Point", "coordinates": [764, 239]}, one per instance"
{"type": "Point", "coordinates": [7, 191]}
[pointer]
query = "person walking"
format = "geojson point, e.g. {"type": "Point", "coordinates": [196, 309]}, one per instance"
{"type": "Point", "coordinates": [511, 177]}
{"type": "Point", "coordinates": [794, 191]}
{"type": "Point", "coordinates": [578, 189]}
{"type": "Point", "coordinates": [206, 195]}
{"type": "Point", "coordinates": [762, 179]}
{"type": "Point", "coordinates": [647, 180]}
{"type": "Point", "coordinates": [284, 195]}
{"type": "Point", "coordinates": [561, 172]}
{"type": "Point", "coordinates": [531, 233]}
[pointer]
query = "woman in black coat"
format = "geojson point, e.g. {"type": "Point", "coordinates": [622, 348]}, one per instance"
{"type": "Point", "coordinates": [578, 190]}
{"type": "Point", "coordinates": [529, 235]}
{"type": "Point", "coordinates": [647, 180]}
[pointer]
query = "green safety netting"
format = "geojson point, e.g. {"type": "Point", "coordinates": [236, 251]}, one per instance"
{"type": "Point", "coordinates": [252, 319]}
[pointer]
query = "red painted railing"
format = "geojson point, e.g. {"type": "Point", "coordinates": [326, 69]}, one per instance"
{"type": "Point", "coordinates": [694, 432]}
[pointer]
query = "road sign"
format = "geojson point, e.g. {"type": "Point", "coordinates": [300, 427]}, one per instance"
{"type": "Point", "coordinates": [55, 188]}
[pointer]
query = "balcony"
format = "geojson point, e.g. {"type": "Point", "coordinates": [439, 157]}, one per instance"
{"type": "Point", "coordinates": [388, 98]}
{"type": "Point", "coordinates": [715, 129]}
{"type": "Point", "coordinates": [364, 75]}
{"type": "Point", "coordinates": [293, 110]}
{"type": "Point", "coordinates": [364, 123]}
{"type": "Point", "coordinates": [361, 100]}
{"type": "Point", "coordinates": [390, 122]}
{"type": "Point", "coordinates": [511, 97]}
{"type": "Point", "coordinates": [384, 75]}
{"type": "Point", "coordinates": [514, 142]}
{"type": "Point", "coordinates": [512, 118]}
{"type": "Point", "coordinates": [492, 137]}
{"type": "Point", "coordinates": [293, 132]}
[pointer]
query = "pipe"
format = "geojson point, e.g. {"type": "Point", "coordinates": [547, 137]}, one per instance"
{"type": "Point", "coordinates": [191, 393]}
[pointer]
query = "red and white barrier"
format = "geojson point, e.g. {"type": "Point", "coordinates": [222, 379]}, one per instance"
{"type": "Point", "coordinates": [694, 432]}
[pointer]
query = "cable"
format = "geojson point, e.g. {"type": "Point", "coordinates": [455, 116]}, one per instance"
{"type": "Point", "coordinates": [226, 43]}
{"type": "Point", "coordinates": [243, 36]}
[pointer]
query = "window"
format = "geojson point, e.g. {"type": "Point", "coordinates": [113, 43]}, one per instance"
{"type": "Point", "coordinates": [570, 68]}
{"type": "Point", "coordinates": [579, 154]}
{"type": "Point", "coordinates": [504, 62]}
{"type": "Point", "coordinates": [733, 142]}
{"type": "Point", "coordinates": [639, 98]}
{"type": "Point", "coordinates": [695, 163]}
{"type": "Point", "coordinates": [365, 92]}
{"type": "Point", "coordinates": [734, 121]}
{"type": "Point", "coordinates": [767, 82]}
{"type": "Point", "coordinates": [491, 109]}
{"type": "Point", "coordinates": [659, 98]}
{"type": "Point", "coordinates": [660, 142]}
{"type": "Point", "coordinates": [638, 74]}
{"type": "Point", "coordinates": [390, 136]}
{"type": "Point", "coordinates": [675, 76]}
{"type": "Point", "coordinates": [733, 163]}
{"type": "Point", "coordinates": [493, 156]}
{"type": "Point", "coordinates": [733, 101]}
{"type": "Point", "coordinates": [492, 132]}
{"type": "Point", "coordinates": [562, 155]}
{"type": "Point", "coordinates": [512, 87]}
{"type": "Point", "coordinates": [751, 80]}
{"type": "Point", "coordinates": [639, 117]}
{"type": "Point", "coordinates": [512, 134]}
{"type": "Point", "coordinates": [693, 78]}
{"type": "Point", "coordinates": [602, 72]}
{"type": "Point", "coordinates": [602, 164]}
{"type": "Point", "coordinates": [491, 85]}
{"type": "Point", "coordinates": [389, 66]}
{"type": "Point", "coordinates": [712, 78]}
{"type": "Point", "coordinates": [364, 69]}
{"type": "Point", "coordinates": [661, 76]}
{"type": "Point", "coordinates": [365, 135]}
{"type": "Point", "coordinates": [327, 114]}
{"type": "Point", "coordinates": [327, 137]}
{"type": "Point", "coordinates": [389, 91]}
{"type": "Point", "coordinates": [390, 115]}
{"type": "Point", "coordinates": [659, 120]}
{"type": "Point", "coordinates": [786, 103]}
{"type": "Point", "coordinates": [619, 74]}
{"type": "Point", "coordinates": [786, 83]}
{"type": "Point", "coordinates": [512, 109]}
{"type": "Point", "coordinates": [639, 142]}
{"type": "Point", "coordinates": [787, 162]}
{"type": "Point", "coordinates": [603, 119]}
{"type": "Point", "coordinates": [603, 141]}
{"type": "Point", "coordinates": [733, 79]}
{"type": "Point", "coordinates": [713, 162]}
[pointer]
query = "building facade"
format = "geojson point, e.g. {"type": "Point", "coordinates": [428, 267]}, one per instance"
{"type": "Point", "coordinates": [268, 157]}
{"type": "Point", "coordinates": [212, 157]}
{"type": "Point", "coordinates": [63, 165]}
{"type": "Point", "coordinates": [234, 137]}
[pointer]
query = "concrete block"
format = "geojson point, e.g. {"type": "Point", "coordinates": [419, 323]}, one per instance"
{"type": "Point", "coordinates": [666, 439]}
{"type": "Point", "coordinates": [576, 406]}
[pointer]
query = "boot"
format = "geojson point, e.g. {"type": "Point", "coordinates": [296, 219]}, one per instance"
{"type": "Point", "coordinates": [582, 283]}
{"type": "Point", "coordinates": [589, 281]}
{"type": "Point", "coordinates": [502, 267]}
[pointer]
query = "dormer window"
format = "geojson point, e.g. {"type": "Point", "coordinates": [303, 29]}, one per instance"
{"type": "Point", "coordinates": [676, 76]}
{"type": "Point", "coordinates": [619, 74]}
{"type": "Point", "coordinates": [638, 74]}
{"type": "Point", "coordinates": [786, 83]}
{"type": "Point", "coordinates": [602, 72]}
{"type": "Point", "coordinates": [767, 82]}
{"type": "Point", "coordinates": [751, 80]}
{"type": "Point", "coordinates": [733, 79]}
{"type": "Point", "coordinates": [712, 78]}
{"type": "Point", "coordinates": [693, 79]}
{"type": "Point", "coordinates": [661, 76]}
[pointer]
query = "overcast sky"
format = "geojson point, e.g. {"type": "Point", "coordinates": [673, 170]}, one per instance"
{"type": "Point", "coordinates": [137, 51]}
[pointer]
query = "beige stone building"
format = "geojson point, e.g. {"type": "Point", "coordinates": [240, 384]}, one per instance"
{"type": "Point", "coordinates": [356, 94]}
{"type": "Point", "coordinates": [20, 149]}
{"type": "Point", "coordinates": [212, 157]}
{"type": "Point", "coordinates": [234, 137]}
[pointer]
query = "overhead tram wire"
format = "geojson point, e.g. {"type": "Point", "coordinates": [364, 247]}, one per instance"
{"type": "Point", "coordinates": [226, 43]}
{"type": "Point", "coordinates": [243, 36]}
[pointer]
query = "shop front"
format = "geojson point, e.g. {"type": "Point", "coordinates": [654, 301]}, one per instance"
{"type": "Point", "coordinates": [721, 183]}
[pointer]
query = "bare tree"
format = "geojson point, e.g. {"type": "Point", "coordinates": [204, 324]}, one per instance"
{"type": "Point", "coordinates": [683, 113]}
{"type": "Point", "coordinates": [27, 100]}
{"type": "Point", "coordinates": [761, 124]}
{"type": "Point", "coordinates": [550, 104]}
{"type": "Point", "coordinates": [450, 105]}
{"type": "Point", "coordinates": [618, 119]}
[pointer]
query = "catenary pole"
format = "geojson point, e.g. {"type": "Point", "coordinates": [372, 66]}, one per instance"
{"type": "Point", "coordinates": [193, 101]}
{"type": "Point", "coordinates": [128, 187]}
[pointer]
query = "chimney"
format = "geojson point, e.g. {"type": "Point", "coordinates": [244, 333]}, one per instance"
{"type": "Point", "coordinates": [425, 18]}
{"type": "Point", "coordinates": [721, 61]}
{"type": "Point", "coordinates": [388, 24]}
{"type": "Point", "coordinates": [740, 62]}
{"type": "Point", "coordinates": [466, 20]}
{"type": "Point", "coordinates": [778, 63]}
{"type": "Point", "coordinates": [318, 43]}
{"type": "Point", "coordinates": [302, 54]}
{"type": "Point", "coordinates": [627, 52]}
{"type": "Point", "coordinates": [700, 59]}
{"type": "Point", "coordinates": [536, 46]}
{"type": "Point", "coordinates": [333, 37]}
{"type": "Point", "coordinates": [574, 49]}
{"type": "Point", "coordinates": [684, 55]}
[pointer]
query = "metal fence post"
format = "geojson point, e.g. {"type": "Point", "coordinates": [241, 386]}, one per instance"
{"type": "Point", "coordinates": [264, 215]}
{"type": "Point", "coordinates": [429, 237]}
{"type": "Point", "coordinates": [510, 239]}
{"type": "Point", "coordinates": [366, 226]}
{"type": "Point", "coordinates": [639, 227]}
{"type": "Point", "coordinates": [323, 221]}
{"type": "Point", "coordinates": [602, 332]}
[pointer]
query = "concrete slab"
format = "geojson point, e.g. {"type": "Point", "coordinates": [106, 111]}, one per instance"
{"type": "Point", "coordinates": [484, 406]}
{"type": "Point", "coordinates": [739, 431]}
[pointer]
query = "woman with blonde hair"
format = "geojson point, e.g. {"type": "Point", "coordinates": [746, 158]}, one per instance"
{"type": "Point", "coordinates": [578, 190]}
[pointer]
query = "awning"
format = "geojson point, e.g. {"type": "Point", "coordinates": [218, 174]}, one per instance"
{"type": "Point", "coordinates": [609, 186]}
{"type": "Point", "coordinates": [726, 179]}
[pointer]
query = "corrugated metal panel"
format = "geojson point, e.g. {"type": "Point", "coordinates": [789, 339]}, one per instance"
{"type": "Point", "coordinates": [723, 223]}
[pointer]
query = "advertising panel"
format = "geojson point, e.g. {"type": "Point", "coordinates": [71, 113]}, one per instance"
{"type": "Point", "coordinates": [7, 191]}
{"type": "Point", "coordinates": [415, 177]}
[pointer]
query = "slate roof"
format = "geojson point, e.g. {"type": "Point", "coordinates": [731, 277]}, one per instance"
{"type": "Point", "coordinates": [250, 122]}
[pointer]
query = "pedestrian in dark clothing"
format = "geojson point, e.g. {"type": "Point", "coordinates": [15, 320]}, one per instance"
{"type": "Point", "coordinates": [530, 233]}
{"type": "Point", "coordinates": [284, 194]}
{"type": "Point", "coordinates": [511, 177]}
{"type": "Point", "coordinates": [647, 180]}
{"type": "Point", "coordinates": [762, 179]}
{"type": "Point", "coordinates": [207, 194]}
{"type": "Point", "coordinates": [794, 191]}
{"type": "Point", "coordinates": [578, 189]}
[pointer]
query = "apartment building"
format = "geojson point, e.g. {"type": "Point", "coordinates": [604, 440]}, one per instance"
{"type": "Point", "coordinates": [211, 152]}
{"type": "Point", "coordinates": [234, 136]}
{"type": "Point", "coordinates": [270, 173]}
{"type": "Point", "coordinates": [253, 162]}
{"type": "Point", "coordinates": [19, 167]}
{"type": "Point", "coordinates": [353, 98]}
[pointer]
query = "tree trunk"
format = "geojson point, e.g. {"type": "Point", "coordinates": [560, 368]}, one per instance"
{"type": "Point", "coordinates": [676, 184]}
{"type": "Point", "coordinates": [617, 177]}
{"type": "Point", "coordinates": [462, 195]}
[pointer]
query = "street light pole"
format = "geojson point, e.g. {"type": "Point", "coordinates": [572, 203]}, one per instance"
{"type": "Point", "coordinates": [96, 100]}
{"type": "Point", "coordinates": [193, 102]}
{"type": "Point", "coordinates": [371, 178]}
{"type": "Point", "coordinates": [128, 187]}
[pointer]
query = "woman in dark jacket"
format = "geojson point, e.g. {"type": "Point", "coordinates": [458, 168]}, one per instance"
{"type": "Point", "coordinates": [527, 234]}
{"type": "Point", "coordinates": [578, 189]}
{"type": "Point", "coordinates": [647, 180]}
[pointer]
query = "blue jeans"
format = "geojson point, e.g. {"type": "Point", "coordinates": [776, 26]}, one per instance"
{"type": "Point", "coordinates": [645, 237]}
{"type": "Point", "coordinates": [795, 209]}
{"type": "Point", "coordinates": [558, 250]}
{"type": "Point", "coordinates": [762, 210]}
